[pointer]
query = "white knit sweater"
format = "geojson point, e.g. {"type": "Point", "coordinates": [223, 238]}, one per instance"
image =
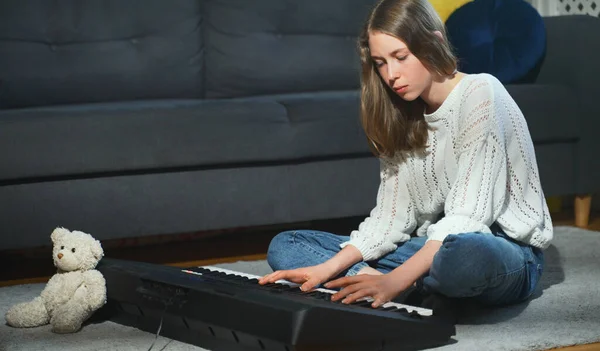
{"type": "Point", "coordinates": [479, 168]}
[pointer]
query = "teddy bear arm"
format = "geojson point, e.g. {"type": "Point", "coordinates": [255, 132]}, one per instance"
{"type": "Point", "coordinates": [96, 289]}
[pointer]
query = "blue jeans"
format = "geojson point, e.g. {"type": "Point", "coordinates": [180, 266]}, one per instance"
{"type": "Point", "coordinates": [490, 268]}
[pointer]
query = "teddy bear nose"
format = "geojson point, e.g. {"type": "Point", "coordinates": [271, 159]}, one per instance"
{"type": "Point", "coordinates": [59, 256]}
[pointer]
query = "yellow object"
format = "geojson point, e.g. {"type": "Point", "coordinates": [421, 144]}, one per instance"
{"type": "Point", "coordinates": [445, 8]}
{"type": "Point", "coordinates": [554, 204]}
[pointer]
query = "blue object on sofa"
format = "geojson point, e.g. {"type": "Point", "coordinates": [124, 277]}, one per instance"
{"type": "Point", "coordinates": [506, 38]}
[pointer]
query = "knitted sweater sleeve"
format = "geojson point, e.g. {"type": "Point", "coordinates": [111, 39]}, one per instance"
{"type": "Point", "coordinates": [391, 221]}
{"type": "Point", "coordinates": [478, 194]}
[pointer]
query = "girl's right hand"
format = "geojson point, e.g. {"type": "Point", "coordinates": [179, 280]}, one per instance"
{"type": "Point", "coordinates": [308, 277]}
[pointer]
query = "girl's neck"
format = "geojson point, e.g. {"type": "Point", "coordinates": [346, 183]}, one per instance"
{"type": "Point", "coordinates": [439, 90]}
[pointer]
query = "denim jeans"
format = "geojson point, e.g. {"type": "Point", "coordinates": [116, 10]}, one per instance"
{"type": "Point", "coordinates": [490, 268]}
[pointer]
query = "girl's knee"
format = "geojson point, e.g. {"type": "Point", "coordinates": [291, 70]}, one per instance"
{"type": "Point", "coordinates": [301, 248]}
{"type": "Point", "coordinates": [461, 267]}
{"type": "Point", "coordinates": [280, 241]}
{"type": "Point", "coordinates": [278, 250]}
{"type": "Point", "coordinates": [466, 250]}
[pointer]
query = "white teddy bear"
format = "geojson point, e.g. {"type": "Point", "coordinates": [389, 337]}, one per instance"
{"type": "Point", "coordinates": [73, 294]}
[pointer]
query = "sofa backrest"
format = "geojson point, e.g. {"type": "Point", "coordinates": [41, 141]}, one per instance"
{"type": "Point", "coordinates": [69, 51]}
{"type": "Point", "coordinates": [73, 51]}
{"type": "Point", "coordinates": [257, 47]}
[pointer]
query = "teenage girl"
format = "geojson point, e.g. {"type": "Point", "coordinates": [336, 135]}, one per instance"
{"type": "Point", "coordinates": [460, 210]}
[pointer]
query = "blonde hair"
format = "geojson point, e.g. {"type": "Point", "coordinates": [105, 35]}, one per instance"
{"type": "Point", "coordinates": [392, 124]}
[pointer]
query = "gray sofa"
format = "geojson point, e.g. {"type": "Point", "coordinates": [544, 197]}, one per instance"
{"type": "Point", "coordinates": [136, 118]}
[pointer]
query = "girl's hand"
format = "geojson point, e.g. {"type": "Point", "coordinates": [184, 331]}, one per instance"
{"type": "Point", "coordinates": [382, 288]}
{"type": "Point", "coordinates": [308, 277]}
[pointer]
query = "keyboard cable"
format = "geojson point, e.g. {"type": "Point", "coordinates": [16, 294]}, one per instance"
{"type": "Point", "coordinates": [162, 316]}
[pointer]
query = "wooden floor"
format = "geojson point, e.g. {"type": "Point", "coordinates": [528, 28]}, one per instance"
{"type": "Point", "coordinates": [36, 265]}
{"type": "Point", "coordinates": [589, 347]}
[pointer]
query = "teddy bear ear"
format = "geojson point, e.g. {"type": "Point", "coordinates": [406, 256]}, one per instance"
{"type": "Point", "coordinates": [58, 234]}
{"type": "Point", "coordinates": [96, 249]}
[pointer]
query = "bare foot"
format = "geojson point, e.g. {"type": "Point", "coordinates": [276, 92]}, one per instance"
{"type": "Point", "coordinates": [369, 270]}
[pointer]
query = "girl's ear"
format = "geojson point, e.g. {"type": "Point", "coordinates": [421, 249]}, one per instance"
{"type": "Point", "coordinates": [439, 34]}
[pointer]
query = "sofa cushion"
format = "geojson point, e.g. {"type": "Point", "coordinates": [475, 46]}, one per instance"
{"type": "Point", "coordinates": [272, 47]}
{"type": "Point", "coordinates": [551, 111]}
{"type": "Point", "coordinates": [324, 124]}
{"type": "Point", "coordinates": [115, 138]}
{"type": "Point", "coordinates": [58, 52]}
{"type": "Point", "coordinates": [506, 38]}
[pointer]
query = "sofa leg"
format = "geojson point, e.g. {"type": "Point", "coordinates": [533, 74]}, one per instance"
{"type": "Point", "coordinates": [583, 206]}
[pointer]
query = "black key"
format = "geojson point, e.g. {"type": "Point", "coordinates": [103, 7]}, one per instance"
{"type": "Point", "coordinates": [363, 303]}
{"type": "Point", "coordinates": [319, 295]}
{"type": "Point", "coordinates": [296, 290]}
{"type": "Point", "coordinates": [415, 314]}
{"type": "Point", "coordinates": [279, 287]}
{"type": "Point", "coordinates": [324, 295]}
{"type": "Point", "coordinates": [389, 308]}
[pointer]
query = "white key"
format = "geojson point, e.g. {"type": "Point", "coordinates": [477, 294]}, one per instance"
{"type": "Point", "coordinates": [420, 310]}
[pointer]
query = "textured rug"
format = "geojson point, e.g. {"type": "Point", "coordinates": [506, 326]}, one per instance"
{"type": "Point", "coordinates": [565, 311]}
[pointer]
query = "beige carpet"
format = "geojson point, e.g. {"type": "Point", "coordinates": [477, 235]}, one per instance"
{"type": "Point", "coordinates": [564, 312]}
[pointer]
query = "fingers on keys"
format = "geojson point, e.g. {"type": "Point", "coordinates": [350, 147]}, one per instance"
{"type": "Point", "coordinates": [269, 278]}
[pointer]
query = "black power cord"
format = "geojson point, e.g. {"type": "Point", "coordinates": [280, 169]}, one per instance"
{"type": "Point", "coordinates": [167, 304]}
{"type": "Point", "coordinates": [157, 292]}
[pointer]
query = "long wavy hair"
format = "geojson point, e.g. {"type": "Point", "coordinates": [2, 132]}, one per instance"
{"type": "Point", "coordinates": [392, 124]}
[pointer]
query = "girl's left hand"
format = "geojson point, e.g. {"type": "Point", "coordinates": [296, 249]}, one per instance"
{"type": "Point", "coordinates": [382, 288]}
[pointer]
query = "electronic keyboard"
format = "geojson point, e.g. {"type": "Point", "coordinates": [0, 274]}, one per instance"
{"type": "Point", "coordinates": [220, 309]}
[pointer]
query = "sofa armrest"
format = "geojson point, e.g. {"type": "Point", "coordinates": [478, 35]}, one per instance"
{"type": "Point", "coordinates": [572, 59]}
{"type": "Point", "coordinates": [572, 50]}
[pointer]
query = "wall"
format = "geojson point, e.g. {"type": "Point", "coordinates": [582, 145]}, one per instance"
{"type": "Point", "coordinates": [566, 7]}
